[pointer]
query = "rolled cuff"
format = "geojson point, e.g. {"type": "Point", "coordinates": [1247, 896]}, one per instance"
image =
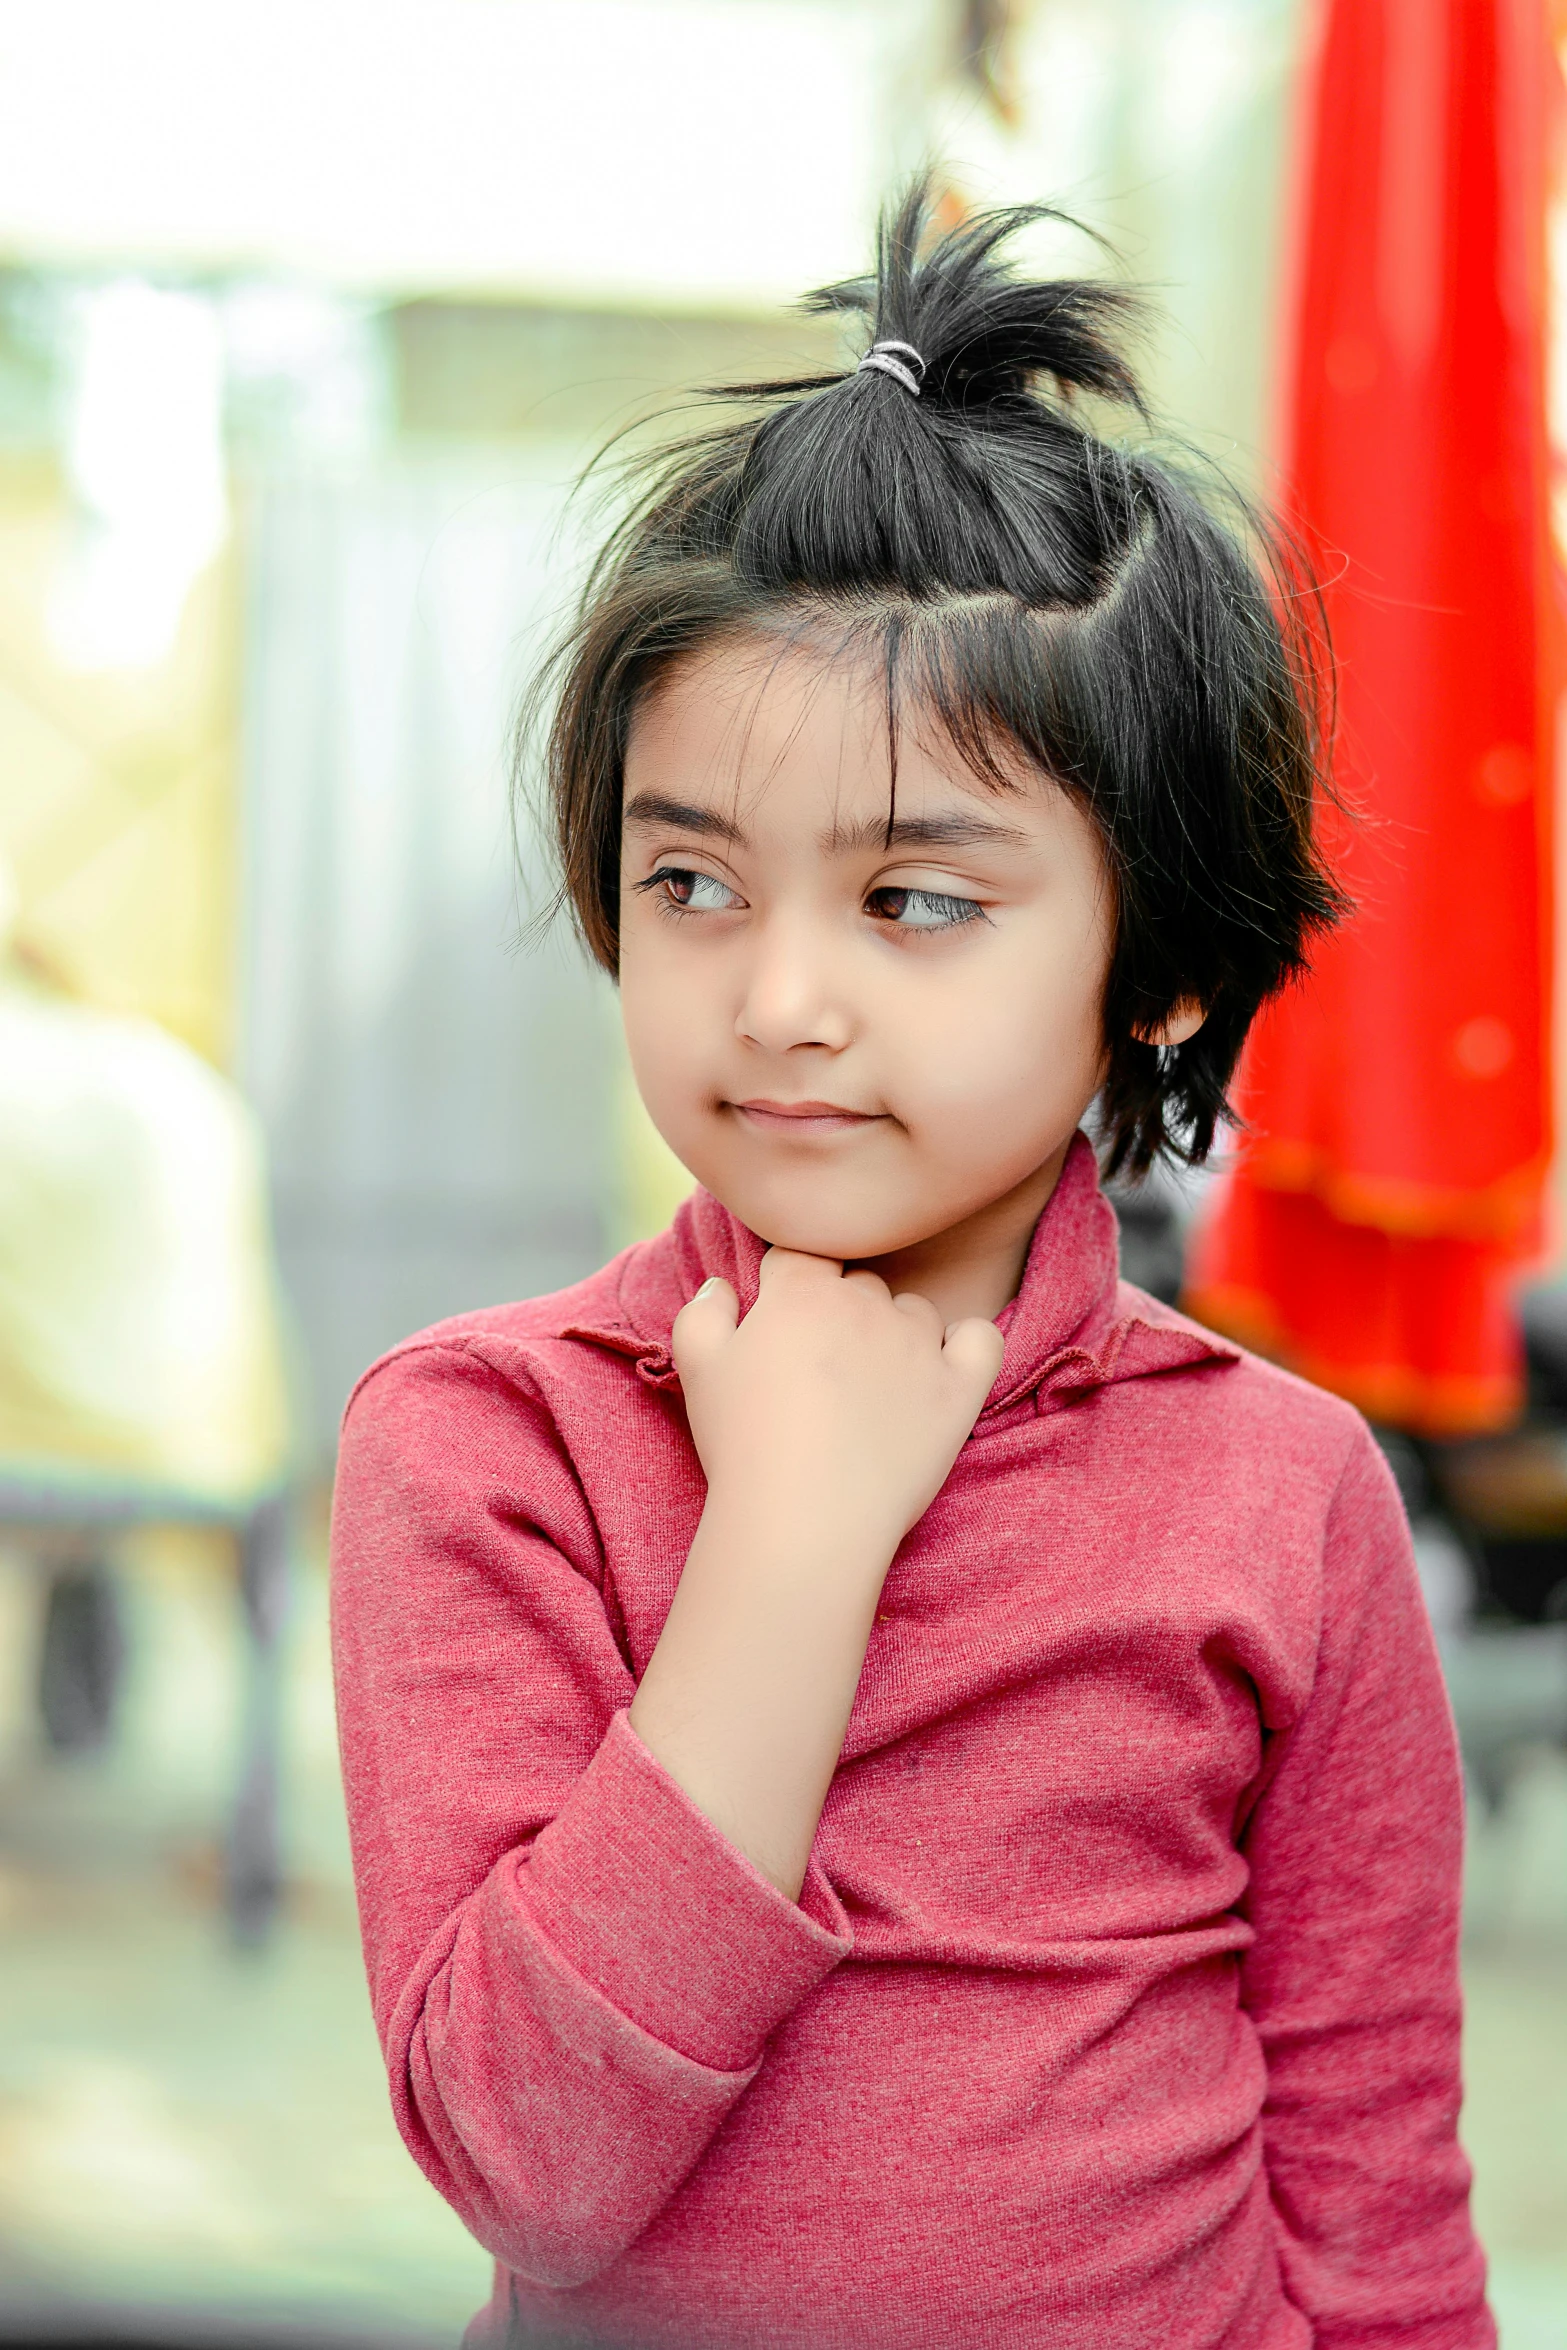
{"type": "Point", "coordinates": [671, 1923]}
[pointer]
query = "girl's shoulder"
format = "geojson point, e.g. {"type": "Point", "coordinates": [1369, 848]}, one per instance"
{"type": "Point", "coordinates": [1241, 1403]}
{"type": "Point", "coordinates": [467, 1435]}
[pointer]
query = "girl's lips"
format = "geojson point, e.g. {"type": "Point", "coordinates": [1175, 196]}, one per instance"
{"type": "Point", "coordinates": [803, 1117]}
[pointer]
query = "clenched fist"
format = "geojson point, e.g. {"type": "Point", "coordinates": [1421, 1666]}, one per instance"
{"type": "Point", "coordinates": [833, 1404]}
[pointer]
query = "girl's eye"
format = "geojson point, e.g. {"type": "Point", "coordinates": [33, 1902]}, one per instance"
{"type": "Point", "coordinates": [922, 909]}
{"type": "Point", "coordinates": [690, 892]}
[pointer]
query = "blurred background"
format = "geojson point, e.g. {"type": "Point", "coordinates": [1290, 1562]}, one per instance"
{"type": "Point", "coordinates": [309, 320]}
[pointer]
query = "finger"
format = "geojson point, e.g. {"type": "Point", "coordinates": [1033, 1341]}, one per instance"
{"type": "Point", "coordinates": [790, 1265]}
{"type": "Point", "coordinates": [974, 1349]}
{"type": "Point", "coordinates": [919, 1309]}
{"type": "Point", "coordinates": [704, 1326]}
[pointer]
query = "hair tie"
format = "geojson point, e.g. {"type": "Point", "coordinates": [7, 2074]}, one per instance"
{"type": "Point", "coordinates": [880, 357]}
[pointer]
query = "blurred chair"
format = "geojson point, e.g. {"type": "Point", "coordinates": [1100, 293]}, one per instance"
{"type": "Point", "coordinates": [140, 1366]}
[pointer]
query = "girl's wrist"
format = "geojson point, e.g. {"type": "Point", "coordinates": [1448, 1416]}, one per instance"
{"type": "Point", "coordinates": [802, 1537]}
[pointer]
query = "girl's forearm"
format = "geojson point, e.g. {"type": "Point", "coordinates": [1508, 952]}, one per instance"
{"type": "Point", "coordinates": [746, 1697]}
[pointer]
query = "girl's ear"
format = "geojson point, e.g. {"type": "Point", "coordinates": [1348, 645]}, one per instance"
{"type": "Point", "coordinates": [1187, 1017]}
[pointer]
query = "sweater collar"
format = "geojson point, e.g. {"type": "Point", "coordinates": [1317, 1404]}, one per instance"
{"type": "Point", "coordinates": [1072, 1326]}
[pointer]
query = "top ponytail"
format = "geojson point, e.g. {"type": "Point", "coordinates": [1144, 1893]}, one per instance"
{"type": "Point", "coordinates": [984, 336]}
{"type": "Point", "coordinates": [1032, 586]}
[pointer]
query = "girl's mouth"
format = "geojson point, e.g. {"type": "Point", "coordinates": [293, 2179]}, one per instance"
{"type": "Point", "coordinates": [803, 1118]}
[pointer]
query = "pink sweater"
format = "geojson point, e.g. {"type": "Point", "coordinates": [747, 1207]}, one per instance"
{"type": "Point", "coordinates": [1120, 2004]}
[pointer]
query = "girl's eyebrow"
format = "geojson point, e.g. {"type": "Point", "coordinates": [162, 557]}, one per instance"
{"type": "Point", "coordinates": [954, 829]}
{"type": "Point", "coordinates": [651, 808]}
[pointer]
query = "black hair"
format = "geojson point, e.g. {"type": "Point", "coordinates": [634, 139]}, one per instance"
{"type": "Point", "coordinates": [1037, 588]}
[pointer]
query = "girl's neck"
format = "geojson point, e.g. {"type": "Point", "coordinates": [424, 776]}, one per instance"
{"type": "Point", "coordinates": [976, 1267]}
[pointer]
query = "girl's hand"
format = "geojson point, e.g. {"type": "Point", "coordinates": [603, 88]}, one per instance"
{"type": "Point", "coordinates": [826, 1423]}
{"type": "Point", "coordinates": [835, 1409]}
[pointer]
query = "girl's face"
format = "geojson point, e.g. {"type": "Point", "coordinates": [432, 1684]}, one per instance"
{"type": "Point", "coordinates": [856, 1043]}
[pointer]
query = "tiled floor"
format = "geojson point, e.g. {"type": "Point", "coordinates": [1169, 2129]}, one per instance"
{"type": "Point", "coordinates": [180, 2123]}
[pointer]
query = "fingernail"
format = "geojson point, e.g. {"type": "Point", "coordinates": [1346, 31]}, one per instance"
{"type": "Point", "coordinates": [710, 1284]}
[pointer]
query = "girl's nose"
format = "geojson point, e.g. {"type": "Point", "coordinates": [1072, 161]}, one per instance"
{"type": "Point", "coordinates": [790, 998]}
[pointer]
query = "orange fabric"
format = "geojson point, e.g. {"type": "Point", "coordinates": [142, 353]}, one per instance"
{"type": "Point", "coordinates": [1397, 1104]}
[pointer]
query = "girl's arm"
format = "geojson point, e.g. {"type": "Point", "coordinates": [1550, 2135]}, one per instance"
{"type": "Point", "coordinates": [574, 1975]}
{"type": "Point", "coordinates": [1352, 1979]}
{"type": "Point", "coordinates": [826, 1425]}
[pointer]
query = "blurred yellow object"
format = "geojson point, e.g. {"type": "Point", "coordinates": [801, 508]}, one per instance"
{"type": "Point", "coordinates": [116, 786]}
{"type": "Point", "coordinates": [138, 1322]}
{"type": "Point", "coordinates": [138, 1329]}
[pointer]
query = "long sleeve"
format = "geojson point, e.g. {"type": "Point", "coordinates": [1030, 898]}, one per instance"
{"type": "Point", "coordinates": [1352, 1979]}
{"type": "Point", "coordinates": [574, 1974]}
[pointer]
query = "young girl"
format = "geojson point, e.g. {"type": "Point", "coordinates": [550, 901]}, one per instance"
{"type": "Point", "coordinates": [901, 1791]}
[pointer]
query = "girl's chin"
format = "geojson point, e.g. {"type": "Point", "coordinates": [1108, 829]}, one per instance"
{"type": "Point", "coordinates": [850, 1238]}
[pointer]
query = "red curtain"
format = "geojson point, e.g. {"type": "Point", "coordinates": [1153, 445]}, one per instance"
{"type": "Point", "coordinates": [1389, 1183]}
